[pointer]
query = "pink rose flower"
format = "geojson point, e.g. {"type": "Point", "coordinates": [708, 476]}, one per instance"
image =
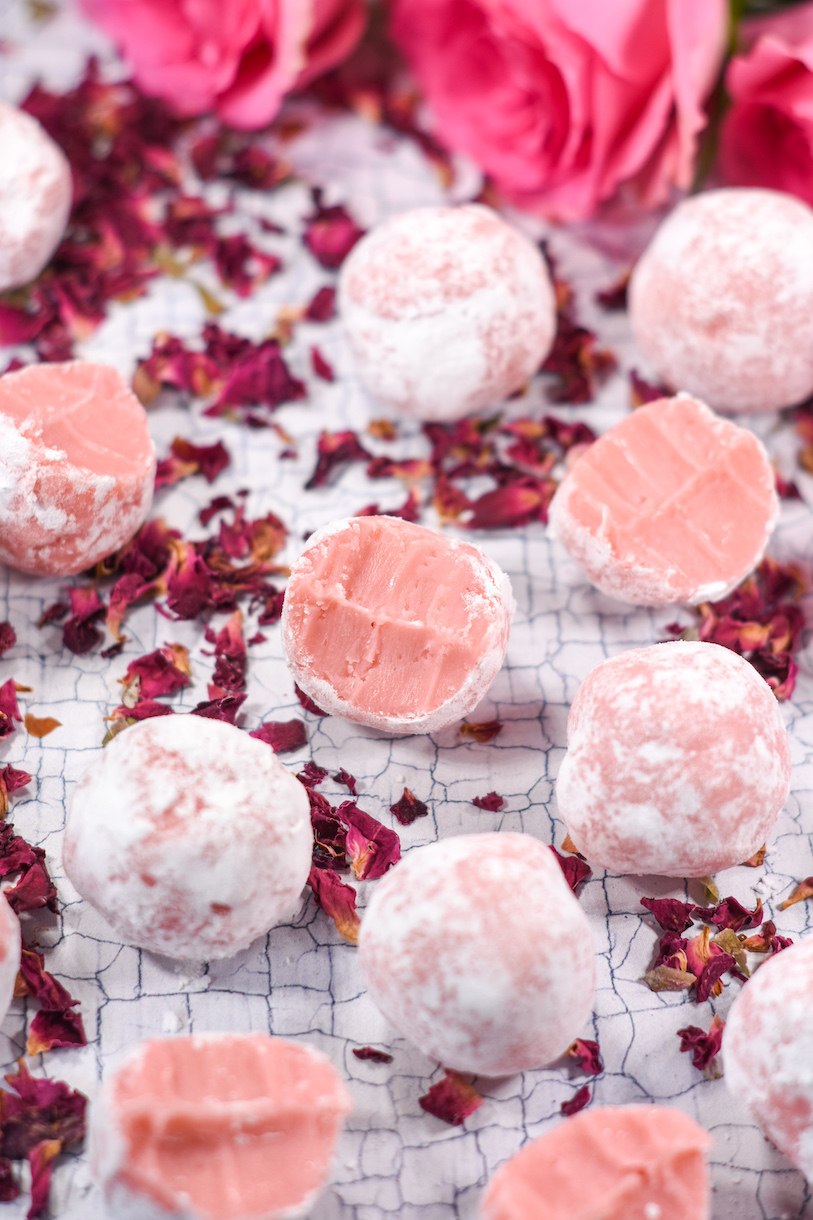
{"type": "Point", "coordinates": [767, 135]}
{"type": "Point", "coordinates": [238, 57]}
{"type": "Point", "coordinates": [567, 103]}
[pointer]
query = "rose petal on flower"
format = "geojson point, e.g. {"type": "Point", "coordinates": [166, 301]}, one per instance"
{"type": "Point", "coordinates": [667, 978]}
{"type": "Point", "coordinates": [9, 708]}
{"type": "Point", "coordinates": [330, 234]}
{"type": "Point", "coordinates": [322, 307]}
{"type": "Point", "coordinates": [40, 1161]}
{"type": "Point", "coordinates": [306, 701]}
{"type": "Point", "coordinates": [577, 1102]}
{"type": "Point", "coordinates": [803, 891]}
{"type": "Point", "coordinates": [346, 780]}
{"type": "Point", "coordinates": [40, 726]}
{"type": "Point", "coordinates": [371, 847]}
{"type": "Point", "coordinates": [587, 1055]}
{"type": "Point", "coordinates": [312, 775]}
{"type": "Point", "coordinates": [704, 1046]}
{"type": "Point", "coordinates": [43, 1109]}
{"type": "Point", "coordinates": [338, 900]}
{"type": "Point", "coordinates": [574, 868]}
{"type": "Point", "coordinates": [407, 808]}
{"type": "Point", "coordinates": [486, 731]}
{"type": "Point", "coordinates": [283, 736]}
{"type": "Point", "coordinates": [321, 367]}
{"type": "Point", "coordinates": [451, 1099]}
{"type": "Point", "coordinates": [371, 1054]}
{"type": "Point", "coordinates": [8, 637]}
{"type": "Point", "coordinates": [335, 449]}
{"type": "Point", "coordinates": [491, 801]}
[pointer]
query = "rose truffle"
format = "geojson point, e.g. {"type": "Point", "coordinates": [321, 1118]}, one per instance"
{"type": "Point", "coordinates": [394, 625]}
{"type": "Point", "coordinates": [77, 466]}
{"type": "Point", "coordinates": [673, 504]}
{"type": "Point", "coordinates": [10, 944]}
{"type": "Point", "coordinates": [447, 311]}
{"type": "Point", "coordinates": [35, 197]}
{"type": "Point", "coordinates": [189, 836]}
{"type": "Point", "coordinates": [721, 301]}
{"type": "Point", "coordinates": [768, 1052]}
{"type": "Point", "coordinates": [475, 949]}
{"type": "Point", "coordinates": [217, 1127]}
{"type": "Point", "coordinates": [616, 1162]}
{"type": "Point", "coordinates": [677, 761]}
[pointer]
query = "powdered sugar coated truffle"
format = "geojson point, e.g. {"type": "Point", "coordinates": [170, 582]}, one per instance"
{"type": "Point", "coordinates": [673, 504]}
{"type": "Point", "coordinates": [768, 1051]}
{"type": "Point", "coordinates": [35, 197]}
{"type": "Point", "coordinates": [394, 625]}
{"type": "Point", "coordinates": [189, 836]}
{"type": "Point", "coordinates": [721, 301]}
{"type": "Point", "coordinates": [447, 311]}
{"type": "Point", "coordinates": [475, 949]}
{"type": "Point", "coordinates": [677, 761]}
{"type": "Point", "coordinates": [77, 466]}
{"type": "Point", "coordinates": [217, 1127]}
{"type": "Point", "coordinates": [10, 944]}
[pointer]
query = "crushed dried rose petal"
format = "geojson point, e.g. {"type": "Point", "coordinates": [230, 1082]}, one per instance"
{"type": "Point", "coordinates": [40, 1163]}
{"type": "Point", "coordinates": [283, 736]}
{"type": "Point", "coordinates": [371, 1054]}
{"type": "Point", "coordinates": [577, 1102]}
{"type": "Point", "coordinates": [230, 657]}
{"type": "Point", "coordinates": [9, 1186]}
{"type": "Point", "coordinates": [758, 858]}
{"type": "Point", "coordinates": [407, 808]}
{"type": "Point", "coordinates": [346, 780]}
{"type": "Point", "coordinates": [338, 900]}
{"type": "Point", "coordinates": [730, 913]}
{"type": "Point", "coordinates": [491, 801]}
{"type": "Point", "coordinates": [642, 391]}
{"type": "Point", "coordinates": [704, 1046]}
{"type": "Point", "coordinates": [587, 1055]}
{"type": "Point", "coordinates": [717, 965]}
{"type": "Point", "coordinates": [10, 780]}
{"type": "Point", "coordinates": [225, 708]}
{"type": "Point", "coordinates": [56, 1024]}
{"type": "Point", "coordinates": [615, 297]}
{"type": "Point", "coordinates": [574, 868]}
{"type": "Point", "coordinates": [80, 633]}
{"type": "Point", "coordinates": [34, 888]}
{"type": "Point", "coordinates": [42, 1109]}
{"type": "Point", "coordinates": [312, 775]}
{"type": "Point", "coordinates": [162, 672]}
{"type": "Point", "coordinates": [451, 1099]}
{"type": "Point", "coordinates": [669, 978]}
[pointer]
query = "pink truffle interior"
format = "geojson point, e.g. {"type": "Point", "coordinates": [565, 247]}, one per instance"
{"type": "Point", "coordinates": [392, 616]}
{"type": "Point", "coordinates": [241, 1126]}
{"type": "Point", "coordinates": [613, 1162]}
{"type": "Point", "coordinates": [672, 491]}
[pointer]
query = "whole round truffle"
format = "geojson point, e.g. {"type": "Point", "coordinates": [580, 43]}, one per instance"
{"type": "Point", "coordinates": [677, 761]}
{"type": "Point", "coordinates": [447, 311]}
{"type": "Point", "coordinates": [35, 197]}
{"type": "Point", "coordinates": [475, 949]}
{"type": "Point", "coordinates": [721, 301]}
{"type": "Point", "coordinates": [672, 504]}
{"type": "Point", "coordinates": [217, 1127]}
{"type": "Point", "coordinates": [394, 625]}
{"type": "Point", "coordinates": [189, 836]}
{"type": "Point", "coordinates": [768, 1051]}
{"type": "Point", "coordinates": [77, 466]}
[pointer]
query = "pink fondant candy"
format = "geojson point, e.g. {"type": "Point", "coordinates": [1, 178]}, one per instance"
{"type": "Point", "coordinates": [77, 466]}
{"type": "Point", "coordinates": [607, 1163]}
{"type": "Point", "coordinates": [475, 949]}
{"type": "Point", "coordinates": [721, 301]}
{"type": "Point", "coordinates": [677, 761]}
{"type": "Point", "coordinates": [673, 504]}
{"type": "Point", "coordinates": [447, 310]}
{"type": "Point", "coordinates": [9, 954]}
{"type": "Point", "coordinates": [35, 197]}
{"type": "Point", "coordinates": [189, 836]}
{"type": "Point", "coordinates": [217, 1127]}
{"type": "Point", "coordinates": [394, 625]}
{"type": "Point", "coordinates": [768, 1051]}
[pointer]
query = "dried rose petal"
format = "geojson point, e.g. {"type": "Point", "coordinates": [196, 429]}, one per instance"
{"type": "Point", "coordinates": [518, 502]}
{"type": "Point", "coordinates": [452, 1099]}
{"type": "Point", "coordinates": [407, 808]}
{"type": "Point", "coordinates": [80, 634]}
{"type": "Point", "coordinates": [729, 942]}
{"type": "Point", "coordinates": [10, 780]}
{"type": "Point", "coordinates": [321, 367]}
{"type": "Point", "coordinates": [371, 847]}
{"type": "Point", "coordinates": [335, 449]}
{"type": "Point", "coordinates": [346, 780]}
{"type": "Point", "coordinates": [698, 949]}
{"type": "Point", "coordinates": [338, 900]}
{"type": "Point", "coordinates": [642, 391]}
{"type": "Point", "coordinates": [587, 1055]}
{"type": "Point", "coordinates": [283, 736]}
{"type": "Point", "coordinates": [225, 708]}
{"type": "Point", "coordinates": [8, 637]}
{"type": "Point", "coordinates": [574, 869]}
{"type": "Point", "coordinates": [242, 266]}
{"type": "Point", "coordinates": [217, 505]}
{"type": "Point", "coordinates": [578, 1101]}
{"type": "Point", "coordinates": [42, 1110]}
{"type": "Point", "coordinates": [732, 914]}
{"type": "Point", "coordinates": [34, 887]}
{"type": "Point", "coordinates": [667, 978]}
{"type": "Point", "coordinates": [491, 801]}
{"type": "Point", "coordinates": [369, 1053]}
{"type": "Point", "coordinates": [9, 1186]}
{"type": "Point", "coordinates": [306, 701]}
{"type": "Point", "coordinates": [803, 891]}
{"type": "Point", "coordinates": [671, 951]}
{"type": "Point", "coordinates": [569, 846]}
{"type": "Point", "coordinates": [49, 1030]}
{"type": "Point", "coordinates": [576, 360]}
{"type": "Point", "coordinates": [758, 858]}
{"type": "Point", "coordinates": [312, 775]}
{"type": "Point", "coordinates": [330, 234]}
{"type": "Point", "coordinates": [40, 1161]}
{"type": "Point", "coordinates": [40, 726]}
{"type": "Point", "coordinates": [704, 1046]}
{"type": "Point", "coordinates": [144, 709]}
{"type": "Point", "coordinates": [484, 732]}
{"type": "Point", "coordinates": [53, 613]}
{"type": "Point", "coordinates": [672, 915]}
{"type": "Point", "coordinates": [717, 965]}
{"type": "Point", "coordinates": [187, 459]}
{"type": "Point", "coordinates": [231, 659]}
{"type": "Point", "coordinates": [322, 307]}
{"type": "Point", "coordinates": [615, 297]}
{"type": "Point", "coordinates": [9, 708]}
{"type": "Point", "coordinates": [158, 673]}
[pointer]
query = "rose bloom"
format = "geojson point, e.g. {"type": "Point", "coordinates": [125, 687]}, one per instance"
{"type": "Point", "coordinates": [767, 135]}
{"type": "Point", "coordinates": [238, 57]}
{"type": "Point", "coordinates": [566, 102]}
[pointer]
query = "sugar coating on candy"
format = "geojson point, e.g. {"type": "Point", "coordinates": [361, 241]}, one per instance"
{"type": "Point", "coordinates": [768, 1052]}
{"type": "Point", "coordinates": [612, 1162]}
{"type": "Point", "coordinates": [217, 1127]}
{"type": "Point", "coordinates": [677, 762]}
{"type": "Point", "coordinates": [77, 466]}
{"type": "Point", "coordinates": [189, 836]}
{"type": "Point", "coordinates": [10, 944]}
{"type": "Point", "coordinates": [475, 950]}
{"type": "Point", "coordinates": [673, 504]}
{"type": "Point", "coordinates": [35, 197]}
{"type": "Point", "coordinates": [394, 625]}
{"type": "Point", "coordinates": [447, 311]}
{"type": "Point", "coordinates": [721, 301]}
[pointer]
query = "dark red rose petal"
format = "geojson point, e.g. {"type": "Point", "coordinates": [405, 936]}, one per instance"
{"type": "Point", "coordinates": [322, 307]}
{"type": "Point", "coordinates": [577, 1102]}
{"type": "Point", "coordinates": [159, 673]}
{"type": "Point", "coordinates": [346, 780]}
{"type": "Point", "coordinates": [732, 914]}
{"type": "Point", "coordinates": [80, 634]}
{"type": "Point", "coordinates": [672, 915]}
{"type": "Point", "coordinates": [9, 1186]}
{"type": "Point", "coordinates": [330, 234]}
{"type": "Point", "coordinates": [574, 868]}
{"type": "Point", "coordinates": [717, 965]}
{"type": "Point", "coordinates": [452, 1099]}
{"type": "Point", "coordinates": [371, 847]}
{"type": "Point", "coordinates": [9, 708]}
{"type": "Point", "coordinates": [587, 1055]}
{"type": "Point", "coordinates": [8, 637]}
{"type": "Point", "coordinates": [40, 1160]}
{"type": "Point", "coordinates": [491, 801]}
{"type": "Point", "coordinates": [338, 900]}
{"type": "Point", "coordinates": [369, 1053]}
{"type": "Point", "coordinates": [34, 888]}
{"type": "Point", "coordinates": [225, 708]}
{"type": "Point", "coordinates": [306, 701]}
{"type": "Point", "coordinates": [407, 808]}
{"type": "Point", "coordinates": [312, 775]}
{"type": "Point", "coordinates": [642, 391]}
{"type": "Point", "coordinates": [615, 297]}
{"type": "Point", "coordinates": [335, 449]}
{"type": "Point", "coordinates": [519, 502]}
{"type": "Point", "coordinates": [321, 367]}
{"type": "Point", "coordinates": [282, 736]}
{"type": "Point", "coordinates": [704, 1046]}
{"type": "Point", "coordinates": [42, 1109]}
